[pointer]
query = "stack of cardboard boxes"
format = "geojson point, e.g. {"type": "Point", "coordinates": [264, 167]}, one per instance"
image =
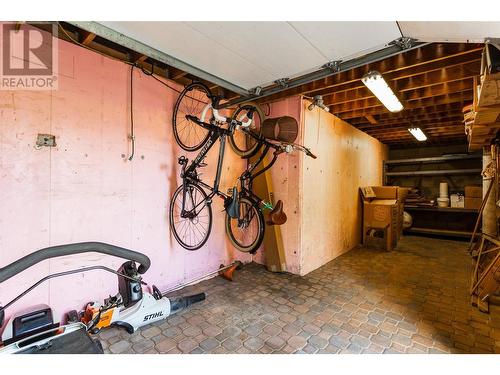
{"type": "Point", "coordinates": [383, 208]}
{"type": "Point", "coordinates": [473, 197]}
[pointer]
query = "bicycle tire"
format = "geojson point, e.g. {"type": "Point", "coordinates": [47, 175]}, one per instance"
{"type": "Point", "coordinates": [177, 237]}
{"type": "Point", "coordinates": [194, 110]}
{"type": "Point", "coordinates": [251, 248]}
{"type": "Point", "coordinates": [242, 151]}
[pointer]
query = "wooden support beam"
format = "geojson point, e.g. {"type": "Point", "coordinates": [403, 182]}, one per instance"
{"type": "Point", "coordinates": [371, 119]}
{"type": "Point", "coordinates": [405, 113]}
{"type": "Point", "coordinates": [404, 61]}
{"type": "Point", "coordinates": [177, 73]}
{"type": "Point", "coordinates": [444, 80]}
{"type": "Point", "coordinates": [402, 143]}
{"type": "Point", "coordinates": [450, 129]}
{"type": "Point", "coordinates": [87, 38]}
{"type": "Point", "coordinates": [415, 114]}
{"type": "Point", "coordinates": [418, 78]}
{"type": "Point", "coordinates": [446, 126]}
{"type": "Point", "coordinates": [460, 97]}
{"type": "Point", "coordinates": [430, 138]}
{"type": "Point", "coordinates": [141, 59]}
{"type": "Point", "coordinates": [407, 97]}
{"type": "Point", "coordinates": [412, 123]}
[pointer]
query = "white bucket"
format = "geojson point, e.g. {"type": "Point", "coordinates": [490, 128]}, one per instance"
{"type": "Point", "coordinates": [443, 190]}
{"type": "Point", "coordinates": [443, 202]}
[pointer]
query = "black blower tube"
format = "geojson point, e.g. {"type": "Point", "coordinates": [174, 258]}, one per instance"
{"type": "Point", "coordinates": [77, 248]}
{"type": "Point", "coordinates": [180, 303]}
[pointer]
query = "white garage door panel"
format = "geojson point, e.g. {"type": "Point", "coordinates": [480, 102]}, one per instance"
{"type": "Point", "coordinates": [441, 31]}
{"type": "Point", "coordinates": [276, 47]}
{"type": "Point", "coordinates": [250, 54]}
{"type": "Point", "coordinates": [181, 41]}
{"type": "Point", "coordinates": [346, 40]}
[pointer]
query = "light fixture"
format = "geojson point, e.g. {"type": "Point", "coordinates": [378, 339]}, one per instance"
{"type": "Point", "coordinates": [418, 133]}
{"type": "Point", "coordinates": [318, 101]}
{"type": "Point", "coordinates": [378, 86]}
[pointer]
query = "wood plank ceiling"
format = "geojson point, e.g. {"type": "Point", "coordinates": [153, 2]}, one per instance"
{"type": "Point", "coordinates": [433, 82]}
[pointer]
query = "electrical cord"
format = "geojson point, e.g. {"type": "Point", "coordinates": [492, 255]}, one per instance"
{"type": "Point", "coordinates": [132, 135]}
{"type": "Point", "coordinates": [151, 74]}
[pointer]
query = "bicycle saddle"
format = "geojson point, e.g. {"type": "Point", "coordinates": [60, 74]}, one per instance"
{"type": "Point", "coordinates": [233, 205]}
{"type": "Point", "coordinates": [276, 216]}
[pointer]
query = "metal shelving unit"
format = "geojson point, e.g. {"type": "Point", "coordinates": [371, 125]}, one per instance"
{"type": "Point", "coordinates": [431, 160]}
{"type": "Point", "coordinates": [432, 220]}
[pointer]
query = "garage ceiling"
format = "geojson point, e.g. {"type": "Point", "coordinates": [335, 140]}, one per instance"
{"type": "Point", "coordinates": [250, 54]}
{"type": "Point", "coordinates": [433, 81]}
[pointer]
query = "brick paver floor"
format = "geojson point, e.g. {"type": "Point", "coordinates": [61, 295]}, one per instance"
{"type": "Point", "coordinates": [412, 300]}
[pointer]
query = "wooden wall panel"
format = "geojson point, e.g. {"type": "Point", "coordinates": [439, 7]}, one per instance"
{"type": "Point", "coordinates": [331, 207]}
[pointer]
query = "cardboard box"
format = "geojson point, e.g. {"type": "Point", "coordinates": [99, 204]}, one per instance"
{"type": "Point", "coordinates": [473, 191]}
{"type": "Point", "coordinates": [385, 192]}
{"type": "Point", "coordinates": [457, 201]}
{"type": "Point", "coordinates": [473, 203]}
{"type": "Point", "coordinates": [382, 225]}
{"type": "Point", "coordinates": [381, 216]}
{"type": "Point", "coordinates": [402, 193]}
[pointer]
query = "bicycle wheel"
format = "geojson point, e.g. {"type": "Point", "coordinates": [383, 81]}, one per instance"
{"type": "Point", "coordinates": [192, 229]}
{"type": "Point", "coordinates": [247, 232]}
{"type": "Point", "coordinates": [192, 101]}
{"type": "Point", "coordinates": [243, 144]}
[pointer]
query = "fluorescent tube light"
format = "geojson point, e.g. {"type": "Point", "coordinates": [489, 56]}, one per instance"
{"type": "Point", "coordinates": [418, 133]}
{"type": "Point", "coordinates": [377, 85]}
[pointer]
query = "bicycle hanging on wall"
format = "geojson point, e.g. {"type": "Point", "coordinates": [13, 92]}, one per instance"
{"type": "Point", "coordinates": [198, 125]}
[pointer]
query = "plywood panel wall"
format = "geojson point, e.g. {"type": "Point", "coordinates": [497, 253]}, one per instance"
{"type": "Point", "coordinates": [286, 174]}
{"type": "Point", "coordinates": [331, 209]}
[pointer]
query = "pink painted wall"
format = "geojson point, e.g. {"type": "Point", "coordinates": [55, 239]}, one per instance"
{"type": "Point", "coordinates": [84, 190]}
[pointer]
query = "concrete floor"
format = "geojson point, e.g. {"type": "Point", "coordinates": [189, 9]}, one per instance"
{"type": "Point", "coordinates": [412, 300]}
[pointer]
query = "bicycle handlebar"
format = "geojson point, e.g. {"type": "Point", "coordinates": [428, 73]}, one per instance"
{"type": "Point", "coordinates": [305, 150]}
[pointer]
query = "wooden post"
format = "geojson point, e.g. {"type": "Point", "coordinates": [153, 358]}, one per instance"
{"type": "Point", "coordinates": [489, 220]}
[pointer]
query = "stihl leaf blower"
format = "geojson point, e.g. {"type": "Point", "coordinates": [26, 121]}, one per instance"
{"type": "Point", "coordinates": [34, 330]}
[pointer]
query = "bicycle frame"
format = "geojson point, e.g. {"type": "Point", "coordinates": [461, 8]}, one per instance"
{"type": "Point", "coordinates": [189, 174]}
{"type": "Point", "coordinates": [248, 175]}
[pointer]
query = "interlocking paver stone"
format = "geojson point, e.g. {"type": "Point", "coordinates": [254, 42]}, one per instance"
{"type": "Point", "coordinates": [209, 344]}
{"type": "Point", "coordinates": [411, 300]}
{"type": "Point", "coordinates": [254, 343]}
{"type": "Point", "coordinates": [318, 342]}
{"type": "Point", "coordinates": [165, 345]}
{"type": "Point", "coordinates": [119, 347]}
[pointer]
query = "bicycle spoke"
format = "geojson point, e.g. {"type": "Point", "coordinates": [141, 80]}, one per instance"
{"type": "Point", "coordinates": [192, 230]}
{"type": "Point", "coordinates": [192, 101]}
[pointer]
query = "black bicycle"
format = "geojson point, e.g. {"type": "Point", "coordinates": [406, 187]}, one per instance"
{"type": "Point", "coordinates": [190, 206]}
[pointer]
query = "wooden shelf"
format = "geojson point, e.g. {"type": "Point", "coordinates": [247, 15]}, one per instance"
{"type": "Point", "coordinates": [440, 232]}
{"type": "Point", "coordinates": [482, 117]}
{"type": "Point", "coordinates": [435, 159]}
{"type": "Point", "coordinates": [442, 209]}
{"type": "Point", "coordinates": [442, 172]}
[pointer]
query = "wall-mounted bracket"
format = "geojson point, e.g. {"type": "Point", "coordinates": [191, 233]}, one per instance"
{"type": "Point", "coordinates": [46, 140]}
{"type": "Point", "coordinates": [256, 90]}
{"type": "Point", "coordinates": [283, 82]}
{"type": "Point", "coordinates": [404, 42]}
{"type": "Point", "coordinates": [334, 66]}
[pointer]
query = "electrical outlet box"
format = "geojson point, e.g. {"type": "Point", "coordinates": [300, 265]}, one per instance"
{"type": "Point", "coordinates": [46, 140]}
